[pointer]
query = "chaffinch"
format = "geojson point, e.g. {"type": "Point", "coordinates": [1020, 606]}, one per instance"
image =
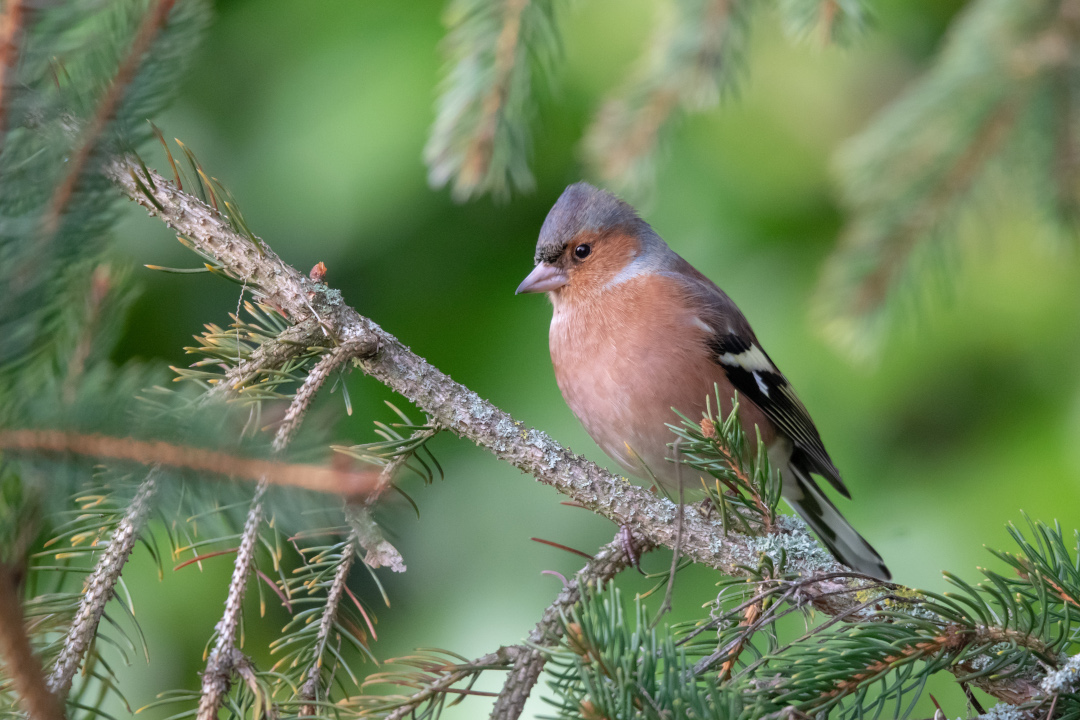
{"type": "Point", "coordinates": [637, 332]}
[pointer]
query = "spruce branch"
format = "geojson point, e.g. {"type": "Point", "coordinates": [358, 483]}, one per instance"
{"type": "Point", "coordinates": [99, 587]}
{"type": "Point", "coordinates": [1000, 88]}
{"type": "Point", "coordinates": [225, 657]}
{"type": "Point", "coordinates": [269, 355]}
{"type": "Point", "coordinates": [480, 139]}
{"type": "Point", "coordinates": [332, 360]}
{"type": "Point", "coordinates": [311, 689]}
{"type": "Point", "coordinates": [153, 21]}
{"type": "Point", "coordinates": [451, 406]}
{"type": "Point", "coordinates": [529, 663]}
{"type": "Point", "coordinates": [308, 477]}
{"type": "Point", "coordinates": [11, 26]}
{"type": "Point", "coordinates": [694, 57]}
{"type": "Point", "coordinates": [20, 662]}
{"type": "Point", "coordinates": [223, 661]}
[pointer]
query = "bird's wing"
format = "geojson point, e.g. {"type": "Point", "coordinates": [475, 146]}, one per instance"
{"type": "Point", "coordinates": [735, 348]}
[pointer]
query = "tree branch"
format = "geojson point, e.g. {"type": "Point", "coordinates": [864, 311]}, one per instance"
{"type": "Point", "coordinates": [11, 25]}
{"type": "Point", "coordinates": [20, 663]}
{"type": "Point", "coordinates": [185, 457]}
{"type": "Point", "coordinates": [309, 692]}
{"type": "Point", "coordinates": [456, 408]}
{"type": "Point", "coordinates": [529, 663]}
{"type": "Point", "coordinates": [151, 24]}
{"type": "Point", "coordinates": [98, 590]}
{"type": "Point", "coordinates": [222, 662]}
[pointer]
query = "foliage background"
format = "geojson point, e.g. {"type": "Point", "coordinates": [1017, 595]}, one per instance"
{"type": "Point", "coordinates": [315, 116]}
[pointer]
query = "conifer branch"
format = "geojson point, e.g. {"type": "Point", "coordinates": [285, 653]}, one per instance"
{"type": "Point", "coordinates": [690, 64]}
{"type": "Point", "coordinates": [152, 23]}
{"type": "Point", "coordinates": [19, 661]}
{"type": "Point", "coordinates": [480, 139]}
{"type": "Point", "coordinates": [503, 657]}
{"type": "Point", "coordinates": [223, 660]}
{"type": "Point", "coordinates": [454, 407]}
{"type": "Point", "coordinates": [314, 380]}
{"type": "Point", "coordinates": [11, 25]}
{"type": "Point", "coordinates": [154, 452]}
{"type": "Point", "coordinates": [311, 688]}
{"type": "Point", "coordinates": [270, 355]}
{"type": "Point", "coordinates": [608, 562]}
{"type": "Point", "coordinates": [98, 590]}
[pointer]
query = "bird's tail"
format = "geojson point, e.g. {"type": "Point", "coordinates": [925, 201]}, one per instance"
{"type": "Point", "coordinates": [846, 545]}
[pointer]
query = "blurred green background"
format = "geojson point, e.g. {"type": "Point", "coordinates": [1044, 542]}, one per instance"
{"type": "Point", "coordinates": [315, 114]}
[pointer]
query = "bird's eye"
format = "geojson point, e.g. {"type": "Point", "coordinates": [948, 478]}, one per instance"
{"type": "Point", "coordinates": [582, 251]}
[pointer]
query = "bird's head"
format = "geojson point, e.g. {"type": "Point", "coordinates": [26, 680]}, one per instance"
{"type": "Point", "coordinates": [589, 239]}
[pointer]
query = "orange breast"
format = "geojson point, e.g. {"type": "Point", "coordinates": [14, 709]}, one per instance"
{"type": "Point", "coordinates": [625, 357]}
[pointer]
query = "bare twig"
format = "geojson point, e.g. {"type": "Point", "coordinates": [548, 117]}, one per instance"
{"type": "Point", "coordinates": [454, 407]}
{"type": "Point", "coordinates": [380, 553]}
{"type": "Point", "coordinates": [154, 452]}
{"type": "Point", "coordinates": [99, 587]}
{"type": "Point", "coordinates": [20, 663]}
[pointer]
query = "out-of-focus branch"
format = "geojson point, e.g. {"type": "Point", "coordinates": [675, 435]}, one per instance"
{"type": "Point", "coordinates": [20, 663]}
{"type": "Point", "coordinates": [454, 407]}
{"type": "Point", "coordinates": [11, 25]}
{"type": "Point", "coordinates": [99, 587]}
{"type": "Point", "coordinates": [151, 25]}
{"type": "Point", "coordinates": [155, 452]}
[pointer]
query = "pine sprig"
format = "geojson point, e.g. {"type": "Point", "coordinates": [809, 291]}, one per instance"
{"type": "Point", "coordinates": [745, 490]}
{"type": "Point", "coordinates": [908, 178]}
{"type": "Point", "coordinates": [480, 140]}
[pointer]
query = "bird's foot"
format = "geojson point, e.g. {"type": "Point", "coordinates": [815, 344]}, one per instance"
{"type": "Point", "coordinates": [626, 538]}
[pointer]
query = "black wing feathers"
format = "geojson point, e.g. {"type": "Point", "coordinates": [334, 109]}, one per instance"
{"type": "Point", "coordinates": [757, 378]}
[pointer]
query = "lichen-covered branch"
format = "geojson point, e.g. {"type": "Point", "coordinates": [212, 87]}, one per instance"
{"type": "Point", "coordinates": [98, 590]}
{"type": "Point", "coordinates": [453, 407]}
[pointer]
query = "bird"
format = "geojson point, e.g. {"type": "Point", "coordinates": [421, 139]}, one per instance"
{"type": "Point", "coordinates": [638, 334]}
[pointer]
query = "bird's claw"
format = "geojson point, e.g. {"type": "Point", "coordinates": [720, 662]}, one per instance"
{"type": "Point", "coordinates": [626, 538]}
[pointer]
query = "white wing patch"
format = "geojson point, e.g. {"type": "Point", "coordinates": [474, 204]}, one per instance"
{"type": "Point", "coordinates": [761, 385]}
{"type": "Point", "coordinates": [753, 360]}
{"type": "Point", "coordinates": [703, 325]}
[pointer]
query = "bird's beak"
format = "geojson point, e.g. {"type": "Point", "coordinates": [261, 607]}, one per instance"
{"type": "Point", "coordinates": [543, 278]}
